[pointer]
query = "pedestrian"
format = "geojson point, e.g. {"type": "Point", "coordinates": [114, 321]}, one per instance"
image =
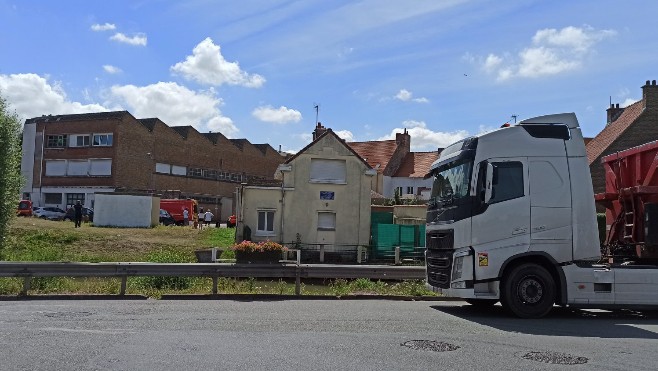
{"type": "Point", "coordinates": [77, 214]}
{"type": "Point", "coordinates": [200, 218]}
{"type": "Point", "coordinates": [208, 217]}
{"type": "Point", "coordinates": [186, 217]}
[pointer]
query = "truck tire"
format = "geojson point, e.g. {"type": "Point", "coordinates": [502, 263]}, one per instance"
{"type": "Point", "coordinates": [481, 303]}
{"type": "Point", "coordinates": [528, 291]}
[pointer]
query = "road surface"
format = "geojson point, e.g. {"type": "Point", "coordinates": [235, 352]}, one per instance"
{"type": "Point", "coordinates": [316, 335]}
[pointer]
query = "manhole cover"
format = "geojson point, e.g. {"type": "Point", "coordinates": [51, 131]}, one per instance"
{"type": "Point", "coordinates": [555, 358]}
{"type": "Point", "coordinates": [436, 346]}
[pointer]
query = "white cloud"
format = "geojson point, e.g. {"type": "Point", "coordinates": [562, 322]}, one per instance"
{"type": "Point", "coordinates": [137, 40]}
{"type": "Point", "coordinates": [346, 135]}
{"type": "Point", "coordinates": [31, 95]}
{"type": "Point", "coordinates": [424, 139]}
{"type": "Point", "coordinates": [111, 69]}
{"type": "Point", "coordinates": [281, 115]}
{"type": "Point", "coordinates": [551, 52]}
{"type": "Point", "coordinates": [406, 96]}
{"type": "Point", "coordinates": [207, 66]}
{"type": "Point", "coordinates": [176, 105]}
{"type": "Point", "coordinates": [628, 102]}
{"type": "Point", "coordinates": [103, 27]}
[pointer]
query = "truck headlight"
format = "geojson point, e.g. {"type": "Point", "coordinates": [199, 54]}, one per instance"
{"type": "Point", "coordinates": [458, 285]}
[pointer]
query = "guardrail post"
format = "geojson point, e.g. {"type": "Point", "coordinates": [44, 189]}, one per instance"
{"type": "Point", "coordinates": [27, 281]}
{"type": "Point", "coordinates": [321, 253]}
{"type": "Point", "coordinates": [298, 278]}
{"type": "Point", "coordinates": [124, 283]}
{"type": "Point", "coordinates": [397, 255]}
{"type": "Point", "coordinates": [214, 284]}
{"type": "Point", "coordinates": [359, 253]}
{"type": "Point", "coordinates": [213, 255]}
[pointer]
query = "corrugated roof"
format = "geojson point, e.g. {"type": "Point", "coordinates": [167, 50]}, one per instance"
{"type": "Point", "coordinates": [375, 152]}
{"type": "Point", "coordinates": [416, 164]}
{"type": "Point", "coordinates": [597, 146]}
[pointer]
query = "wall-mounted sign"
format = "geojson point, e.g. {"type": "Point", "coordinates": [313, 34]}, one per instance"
{"type": "Point", "coordinates": [326, 195]}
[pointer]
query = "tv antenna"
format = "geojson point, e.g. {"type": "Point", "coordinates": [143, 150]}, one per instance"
{"type": "Point", "coordinates": [514, 118]}
{"type": "Point", "coordinates": [317, 111]}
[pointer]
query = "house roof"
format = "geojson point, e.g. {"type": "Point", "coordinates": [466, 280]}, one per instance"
{"type": "Point", "coordinates": [182, 130]}
{"type": "Point", "coordinates": [328, 132]}
{"type": "Point", "coordinates": [375, 152]}
{"type": "Point", "coordinates": [79, 117]}
{"type": "Point", "coordinates": [416, 164]}
{"type": "Point", "coordinates": [597, 146]}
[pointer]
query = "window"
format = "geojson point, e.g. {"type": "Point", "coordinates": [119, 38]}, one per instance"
{"type": "Point", "coordinates": [328, 171]}
{"type": "Point", "coordinates": [55, 167]}
{"type": "Point", "coordinates": [194, 172]}
{"type": "Point", "coordinates": [55, 141]}
{"type": "Point", "coordinates": [77, 168]}
{"type": "Point", "coordinates": [507, 181]}
{"type": "Point", "coordinates": [410, 190]}
{"type": "Point", "coordinates": [326, 221]}
{"type": "Point", "coordinates": [398, 191]}
{"type": "Point", "coordinates": [178, 170]}
{"type": "Point", "coordinates": [210, 174]}
{"type": "Point", "coordinates": [266, 221]}
{"type": "Point", "coordinates": [220, 175]}
{"type": "Point", "coordinates": [71, 198]}
{"type": "Point", "coordinates": [100, 167]}
{"type": "Point", "coordinates": [102, 140]}
{"type": "Point", "coordinates": [79, 140]}
{"type": "Point", "coordinates": [52, 198]}
{"type": "Point", "coordinates": [162, 168]}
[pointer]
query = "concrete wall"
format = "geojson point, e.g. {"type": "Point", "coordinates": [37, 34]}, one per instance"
{"type": "Point", "coordinates": [122, 210]}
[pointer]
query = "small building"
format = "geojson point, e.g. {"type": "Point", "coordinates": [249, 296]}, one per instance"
{"type": "Point", "coordinates": [626, 127]}
{"type": "Point", "coordinates": [323, 199]}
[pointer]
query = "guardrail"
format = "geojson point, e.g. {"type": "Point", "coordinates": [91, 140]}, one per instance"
{"type": "Point", "coordinates": [28, 270]}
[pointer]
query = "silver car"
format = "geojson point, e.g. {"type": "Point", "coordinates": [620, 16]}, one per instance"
{"type": "Point", "coordinates": [50, 213]}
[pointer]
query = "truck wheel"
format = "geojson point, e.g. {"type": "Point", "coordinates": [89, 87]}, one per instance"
{"type": "Point", "coordinates": [528, 291]}
{"type": "Point", "coordinates": [481, 303]}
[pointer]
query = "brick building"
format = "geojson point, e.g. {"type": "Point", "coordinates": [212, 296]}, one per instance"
{"type": "Point", "coordinates": [71, 157]}
{"type": "Point", "coordinates": [626, 127]}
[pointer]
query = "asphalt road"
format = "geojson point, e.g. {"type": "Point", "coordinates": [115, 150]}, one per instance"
{"type": "Point", "coordinates": [316, 335]}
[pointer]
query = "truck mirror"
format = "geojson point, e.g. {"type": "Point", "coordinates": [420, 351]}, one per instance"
{"type": "Point", "coordinates": [488, 192]}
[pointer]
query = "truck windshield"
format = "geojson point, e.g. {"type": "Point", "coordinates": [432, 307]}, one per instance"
{"type": "Point", "coordinates": [450, 183]}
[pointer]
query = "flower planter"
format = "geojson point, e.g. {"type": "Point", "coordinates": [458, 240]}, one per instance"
{"type": "Point", "coordinates": [257, 257]}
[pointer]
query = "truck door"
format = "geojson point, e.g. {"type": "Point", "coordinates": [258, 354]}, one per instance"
{"type": "Point", "coordinates": [550, 207]}
{"type": "Point", "coordinates": [502, 222]}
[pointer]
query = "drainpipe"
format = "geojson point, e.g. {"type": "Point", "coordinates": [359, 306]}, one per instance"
{"type": "Point", "coordinates": [283, 204]}
{"type": "Point", "coordinates": [43, 139]}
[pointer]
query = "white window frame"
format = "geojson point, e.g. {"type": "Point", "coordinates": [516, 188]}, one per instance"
{"type": "Point", "coordinates": [265, 231]}
{"type": "Point", "coordinates": [75, 138]}
{"type": "Point", "coordinates": [109, 140]}
{"type": "Point", "coordinates": [410, 188]}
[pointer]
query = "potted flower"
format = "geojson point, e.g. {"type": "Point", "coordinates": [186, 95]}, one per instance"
{"type": "Point", "coordinates": [261, 252]}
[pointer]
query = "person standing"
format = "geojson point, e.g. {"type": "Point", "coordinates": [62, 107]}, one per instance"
{"type": "Point", "coordinates": [207, 216]}
{"type": "Point", "coordinates": [77, 208]}
{"type": "Point", "coordinates": [186, 217]}
{"type": "Point", "coordinates": [200, 218]}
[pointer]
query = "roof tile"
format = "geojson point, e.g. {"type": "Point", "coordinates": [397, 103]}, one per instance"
{"type": "Point", "coordinates": [597, 146]}
{"type": "Point", "coordinates": [416, 164]}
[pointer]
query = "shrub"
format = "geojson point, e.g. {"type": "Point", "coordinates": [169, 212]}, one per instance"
{"type": "Point", "coordinates": [250, 246]}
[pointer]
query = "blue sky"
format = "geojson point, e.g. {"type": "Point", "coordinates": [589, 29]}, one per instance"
{"type": "Point", "coordinates": [442, 69]}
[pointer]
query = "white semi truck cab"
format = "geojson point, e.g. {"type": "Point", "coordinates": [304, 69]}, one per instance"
{"type": "Point", "coordinates": [511, 218]}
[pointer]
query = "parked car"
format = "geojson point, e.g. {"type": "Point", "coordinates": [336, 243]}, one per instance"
{"type": "Point", "coordinates": [50, 213]}
{"type": "Point", "coordinates": [166, 218]}
{"type": "Point", "coordinates": [86, 212]}
{"type": "Point", "coordinates": [24, 208]}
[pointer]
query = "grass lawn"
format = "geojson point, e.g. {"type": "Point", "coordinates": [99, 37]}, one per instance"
{"type": "Point", "coordinates": [33, 239]}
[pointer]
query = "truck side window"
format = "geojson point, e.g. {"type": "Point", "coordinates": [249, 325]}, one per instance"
{"type": "Point", "coordinates": [507, 181]}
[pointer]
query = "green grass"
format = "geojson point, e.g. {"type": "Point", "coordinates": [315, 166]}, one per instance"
{"type": "Point", "coordinates": [32, 239]}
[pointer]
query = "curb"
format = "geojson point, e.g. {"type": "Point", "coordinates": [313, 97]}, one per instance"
{"type": "Point", "coordinates": [275, 297]}
{"type": "Point", "coordinates": [71, 297]}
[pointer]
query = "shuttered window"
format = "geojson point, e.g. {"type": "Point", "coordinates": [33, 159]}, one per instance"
{"type": "Point", "coordinates": [327, 221]}
{"type": "Point", "coordinates": [162, 168]}
{"type": "Point", "coordinates": [178, 170]}
{"type": "Point", "coordinates": [328, 171]}
{"type": "Point", "coordinates": [77, 168]}
{"type": "Point", "coordinates": [100, 167]}
{"type": "Point", "coordinates": [55, 167]}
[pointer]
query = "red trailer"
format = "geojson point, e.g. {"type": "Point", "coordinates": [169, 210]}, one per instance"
{"type": "Point", "coordinates": [631, 202]}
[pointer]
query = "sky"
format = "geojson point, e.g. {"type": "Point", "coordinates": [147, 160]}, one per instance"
{"type": "Point", "coordinates": [264, 70]}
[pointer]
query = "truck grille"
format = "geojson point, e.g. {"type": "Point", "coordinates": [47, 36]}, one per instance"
{"type": "Point", "coordinates": [440, 246]}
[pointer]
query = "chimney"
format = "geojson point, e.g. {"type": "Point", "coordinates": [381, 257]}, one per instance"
{"type": "Point", "coordinates": [319, 130]}
{"type": "Point", "coordinates": [650, 95]}
{"type": "Point", "coordinates": [613, 112]}
{"type": "Point", "coordinates": [403, 139]}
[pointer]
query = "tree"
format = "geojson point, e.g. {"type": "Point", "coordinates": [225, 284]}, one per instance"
{"type": "Point", "coordinates": [10, 173]}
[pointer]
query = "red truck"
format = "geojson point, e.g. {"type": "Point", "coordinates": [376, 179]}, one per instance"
{"type": "Point", "coordinates": [631, 202]}
{"type": "Point", "coordinates": [175, 207]}
{"type": "Point", "coordinates": [24, 208]}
